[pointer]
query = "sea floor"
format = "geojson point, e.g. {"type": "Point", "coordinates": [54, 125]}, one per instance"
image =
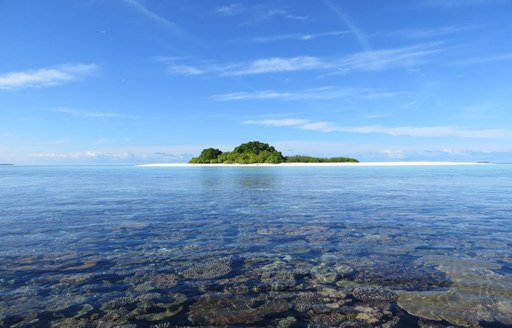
{"type": "Point", "coordinates": [164, 252]}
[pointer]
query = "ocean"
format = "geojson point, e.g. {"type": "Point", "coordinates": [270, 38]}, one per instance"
{"type": "Point", "coordinates": [123, 246]}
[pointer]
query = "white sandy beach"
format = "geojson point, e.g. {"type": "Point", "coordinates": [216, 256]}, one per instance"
{"type": "Point", "coordinates": [316, 164]}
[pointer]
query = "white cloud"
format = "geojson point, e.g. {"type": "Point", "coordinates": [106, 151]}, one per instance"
{"type": "Point", "coordinates": [431, 131]}
{"type": "Point", "coordinates": [431, 32]}
{"type": "Point", "coordinates": [67, 156]}
{"type": "Point", "coordinates": [297, 17]}
{"type": "Point", "coordinates": [486, 59]}
{"type": "Point", "coordinates": [319, 126]}
{"type": "Point", "coordinates": [274, 65]}
{"type": "Point", "coordinates": [231, 9]}
{"type": "Point", "coordinates": [186, 70]}
{"type": "Point", "coordinates": [44, 77]}
{"type": "Point", "coordinates": [462, 3]}
{"type": "Point", "coordinates": [363, 41]}
{"type": "Point", "coordinates": [387, 59]}
{"type": "Point", "coordinates": [361, 61]}
{"type": "Point", "coordinates": [54, 142]}
{"type": "Point", "coordinates": [252, 95]}
{"type": "Point", "coordinates": [393, 153]}
{"type": "Point", "coordinates": [97, 155]}
{"type": "Point", "coordinates": [298, 37]}
{"type": "Point", "coordinates": [78, 113]}
{"type": "Point", "coordinates": [317, 94]}
{"type": "Point", "coordinates": [175, 66]}
{"type": "Point", "coordinates": [323, 93]}
{"type": "Point", "coordinates": [282, 122]}
{"type": "Point", "coordinates": [257, 13]}
{"type": "Point", "coordinates": [427, 132]}
{"type": "Point", "coordinates": [150, 14]}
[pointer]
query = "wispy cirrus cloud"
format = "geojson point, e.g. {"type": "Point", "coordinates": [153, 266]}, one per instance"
{"type": "Point", "coordinates": [278, 122]}
{"type": "Point", "coordinates": [80, 113]}
{"type": "Point", "coordinates": [259, 66]}
{"type": "Point", "coordinates": [362, 39]}
{"type": "Point", "coordinates": [319, 93]}
{"type": "Point", "coordinates": [298, 37]}
{"type": "Point", "coordinates": [433, 131]}
{"type": "Point", "coordinates": [151, 14]}
{"type": "Point", "coordinates": [387, 58]}
{"type": "Point", "coordinates": [298, 123]}
{"type": "Point", "coordinates": [231, 9]}
{"type": "Point", "coordinates": [423, 33]}
{"type": "Point", "coordinates": [462, 3]}
{"type": "Point", "coordinates": [45, 77]}
{"type": "Point", "coordinates": [410, 131]}
{"type": "Point", "coordinates": [486, 59]}
{"type": "Point", "coordinates": [186, 70]}
{"type": "Point", "coordinates": [360, 61]}
{"type": "Point", "coordinates": [323, 93]}
{"type": "Point", "coordinates": [177, 66]}
{"type": "Point", "coordinates": [257, 13]}
{"type": "Point", "coordinates": [274, 65]}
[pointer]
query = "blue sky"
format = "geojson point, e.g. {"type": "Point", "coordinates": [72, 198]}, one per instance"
{"type": "Point", "coordinates": [138, 81]}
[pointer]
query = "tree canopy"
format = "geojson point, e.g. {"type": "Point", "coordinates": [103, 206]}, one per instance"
{"type": "Point", "coordinates": [257, 152]}
{"type": "Point", "coordinates": [254, 147]}
{"type": "Point", "coordinates": [207, 156]}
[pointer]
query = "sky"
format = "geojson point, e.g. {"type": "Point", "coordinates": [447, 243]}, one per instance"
{"type": "Point", "coordinates": [145, 81]}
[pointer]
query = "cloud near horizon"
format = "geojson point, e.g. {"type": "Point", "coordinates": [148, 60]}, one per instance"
{"type": "Point", "coordinates": [131, 155]}
{"type": "Point", "coordinates": [410, 131]}
{"type": "Point", "coordinates": [45, 77]}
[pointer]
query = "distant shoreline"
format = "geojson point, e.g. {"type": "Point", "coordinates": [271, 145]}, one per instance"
{"type": "Point", "coordinates": [317, 164]}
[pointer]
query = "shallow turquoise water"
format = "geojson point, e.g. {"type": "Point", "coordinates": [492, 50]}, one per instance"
{"type": "Point", "coordinates": [256, 246]}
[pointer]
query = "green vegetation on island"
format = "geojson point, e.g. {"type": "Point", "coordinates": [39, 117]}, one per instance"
{"type": "Point", "coordinates": [258, 152]}
{"type": "Point", "coordinates": [310, 159]}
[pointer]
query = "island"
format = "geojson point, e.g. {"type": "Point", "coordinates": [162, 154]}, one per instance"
{"type": "Point", "coordinates": [255, 152]}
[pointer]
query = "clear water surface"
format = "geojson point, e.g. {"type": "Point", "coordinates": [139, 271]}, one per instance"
{"type": "Point", "coordinates": [256, 246]}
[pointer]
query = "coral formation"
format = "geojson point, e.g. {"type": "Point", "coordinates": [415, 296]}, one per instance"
{"type": "Point", "coordinates": [226, 309]}
{"type": "Point", "coordinates": [279, 280]}
{"type": "Point", "coordinates": [208, 270]}
{"type": "Point", "coordinates": [286, 322]}
{"type": "Point", "coordinates": [368, 294]}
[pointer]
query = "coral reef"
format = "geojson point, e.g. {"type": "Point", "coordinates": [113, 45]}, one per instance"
{"type": "Point", "coordinates": [369, 294]}
{"type": "Point", "coordinates": [286, 322]}
{"type": "Point", "coordinates": [279, 280]}
{"type": "Point", "coordinates": [208, 270]}
{"type": "Point", "coordinates": [164, 280]}
{"type": "Point", "coordinates": [477, 294]}
{"type": "Point", "coordinates": [226, 309]}
{"type": "Point", "coordinates": [269, 269]}
{"type": "Point", "coordinates": [403, 276]}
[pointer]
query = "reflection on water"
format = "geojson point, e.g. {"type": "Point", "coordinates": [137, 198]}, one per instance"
{"type": "Point", "coordinates": [277, 247]}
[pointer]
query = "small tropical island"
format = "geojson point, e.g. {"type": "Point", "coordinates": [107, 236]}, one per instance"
{"type": "Point", "coordinates": [255, 152]}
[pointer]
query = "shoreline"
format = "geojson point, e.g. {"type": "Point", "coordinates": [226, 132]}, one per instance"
{"type": "Point", "coordinates": [318, 164]}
